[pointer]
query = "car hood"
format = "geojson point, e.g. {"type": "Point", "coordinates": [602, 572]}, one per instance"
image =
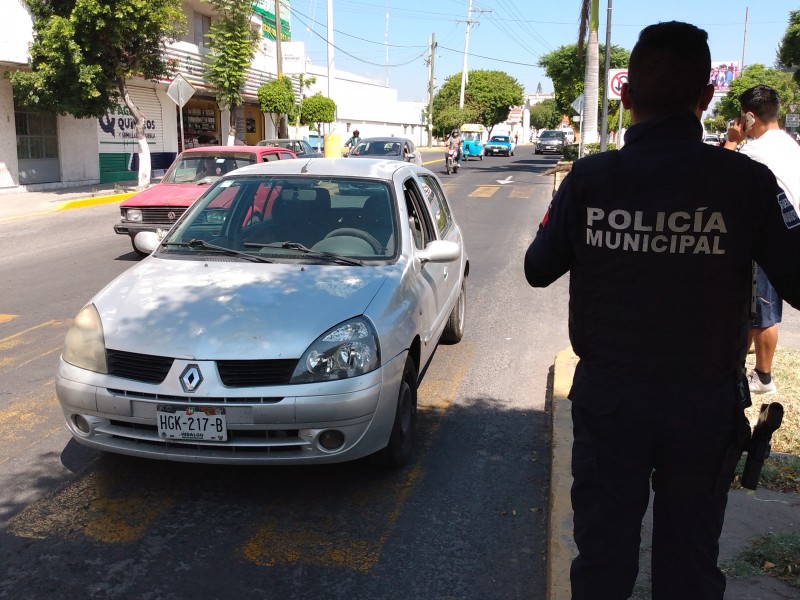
{"type": "Point", "coordinates": [202, 309]}
{"type": "Point", "coordinates": [167, 194]}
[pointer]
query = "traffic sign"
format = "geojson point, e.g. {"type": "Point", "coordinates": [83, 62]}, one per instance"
{"type": "Point", "coordinates": [792, 107]}
{"type": "Point", "coordinates": [792, 120]}
{"type": "Point", "coordinates": [616, 77]}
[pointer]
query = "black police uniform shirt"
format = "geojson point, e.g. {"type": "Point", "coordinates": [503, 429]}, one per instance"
{"type": "Point", "coordinates": [658, 239]}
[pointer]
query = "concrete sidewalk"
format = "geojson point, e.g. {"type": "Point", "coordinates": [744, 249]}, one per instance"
{"type": "Point", "coordinates": [26, 204]}
{"type": "Point", "coordinates": [749, 515]}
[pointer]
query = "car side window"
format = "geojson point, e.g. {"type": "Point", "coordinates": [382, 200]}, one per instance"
{"type": "Point", "coordinates": [298, 149]}
{"type": "Point", "coordinates": [437, 202]}
{"type": "Point", "coordinates": [306, 147]}
{"type": "Point", "coordinates": [422, 231]}
{"type": "Point", "coordinates": [273, 156]}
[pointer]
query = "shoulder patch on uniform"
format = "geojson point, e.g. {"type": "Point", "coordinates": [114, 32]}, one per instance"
{"type": "Point", "coordinates": [790, 218]}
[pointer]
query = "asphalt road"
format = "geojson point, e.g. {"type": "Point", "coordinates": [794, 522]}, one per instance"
{"type": "Point", "coordinates": [467, 519]}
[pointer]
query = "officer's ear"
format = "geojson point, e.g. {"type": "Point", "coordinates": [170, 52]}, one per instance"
{"type": "Point", "coordinates": [625, 96]}
{"type": "Point", "coordinates": [706, 97]}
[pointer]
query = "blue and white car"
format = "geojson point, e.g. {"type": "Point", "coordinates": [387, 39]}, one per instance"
{"type": "Point", "coordinates": [284, 319]}
{"type": "Point", "coordinates": [499, 145]}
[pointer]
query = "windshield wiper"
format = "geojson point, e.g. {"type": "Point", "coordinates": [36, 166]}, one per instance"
{"type": "Point", "coordinates": [196, 243]}
{"type": "Point", "coordinates": [337, 258]}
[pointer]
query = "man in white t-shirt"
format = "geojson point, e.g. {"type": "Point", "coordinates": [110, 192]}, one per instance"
{"type": "Point", "coordinates": [770, 145]}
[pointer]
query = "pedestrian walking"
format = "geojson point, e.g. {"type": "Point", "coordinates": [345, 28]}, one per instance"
{"type": "Point", "coordinates": [659, 261]}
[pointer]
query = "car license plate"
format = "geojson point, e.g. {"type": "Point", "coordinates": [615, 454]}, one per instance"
{"type": "Point", "coordinates": [204, 423]}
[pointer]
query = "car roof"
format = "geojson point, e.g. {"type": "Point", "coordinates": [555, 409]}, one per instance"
{"type": "Point", "coordinates": [385, 139]}
{"type": "Point", "coordinates": [221, 149]}
{"type": "Point", "coordinates": [279, 140]}
{"type": "Point", "coordinates": [331, 167]}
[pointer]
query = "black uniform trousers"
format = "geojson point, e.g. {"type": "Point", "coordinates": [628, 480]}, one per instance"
{"type": "Point", "coordinates": [682, 445]}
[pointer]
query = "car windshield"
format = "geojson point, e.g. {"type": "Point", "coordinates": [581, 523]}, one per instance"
{"type": "Point", "coordinates": [499, 138]}
{"type": "Point", "coordinates": [378, 149]}
{"type": "Point", "coordinates": [473, 136]}
{"type": "Point", "coordinates": [276, 143]}
{"type": "Point", "coordinates": [320, 219]}
{"type": "Point", "coordinates": [206, 166]}
{"type": "Point", "coordinates": [548, 135]}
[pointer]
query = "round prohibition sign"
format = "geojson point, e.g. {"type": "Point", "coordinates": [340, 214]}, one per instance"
{"type": "Point", "coordinates": [616, 83]}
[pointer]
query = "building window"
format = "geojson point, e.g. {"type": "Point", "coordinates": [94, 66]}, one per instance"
{"type": "Point", "coordinates": [202, 25]}
{"type": "Point", "coordinates": [37, 136]}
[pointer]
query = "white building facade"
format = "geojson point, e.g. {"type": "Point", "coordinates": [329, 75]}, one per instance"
{"type": "Point", "coordinates": [42, 151]}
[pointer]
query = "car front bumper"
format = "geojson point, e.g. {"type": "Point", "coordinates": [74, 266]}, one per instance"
{"type": "Point", "coordinates": [550, 148]}
{"type": "Point", "coordinates": [497, 150]}
{"type": "Point", "coordinates": [267, 425]}
{"type": "Point", "coordinates": [131, 229]}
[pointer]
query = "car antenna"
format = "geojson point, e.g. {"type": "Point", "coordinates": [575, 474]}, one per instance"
{"type": "Point", "coordinates": [305, 166]}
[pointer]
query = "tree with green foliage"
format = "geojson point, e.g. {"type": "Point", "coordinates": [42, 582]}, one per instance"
{"type": "Point", "coordinates": [789, 50]}
{"type": "Point", "coordinates": [85, 51]}
{"type": "Point", "coordinates": [566, 70]}
{"type": "Point", "coordinates": [232, 43]}
{"type": "Point", "coordinates": [488, 97]}
{"type": "Point", "coordinates": [304, 82]}
{"type": "Point", "coordinates": [788, 90]}
{"type": "Point", "coordinates": [276, 98]}
{"type": "Point", "coordinates": [545, 115]}
{"type": "Point", "coordinates": [318, 109]}
{"type": "Point", "coordinates": [452, 117]}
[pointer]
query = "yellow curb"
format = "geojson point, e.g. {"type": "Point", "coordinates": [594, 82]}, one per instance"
{"type": "Point", "coordinates": [111, 198]}
{"type": "Point", "coordinates": [561, 548]}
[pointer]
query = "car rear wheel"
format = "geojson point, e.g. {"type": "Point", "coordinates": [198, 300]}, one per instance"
{"type": "Point", "coordinates": [401, 441]}
{"type": "Point", "coordinates": [454, 330]}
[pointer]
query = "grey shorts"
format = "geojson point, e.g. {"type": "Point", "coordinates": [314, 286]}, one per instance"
{"type": "Point", "coordinates": [769, 306]}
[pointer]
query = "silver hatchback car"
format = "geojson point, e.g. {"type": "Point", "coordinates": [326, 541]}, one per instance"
{"type": "Point", "coordinates": [284, 319]}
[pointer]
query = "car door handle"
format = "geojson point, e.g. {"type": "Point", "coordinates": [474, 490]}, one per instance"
{"type": "Point", "coordinates": [444, 272]}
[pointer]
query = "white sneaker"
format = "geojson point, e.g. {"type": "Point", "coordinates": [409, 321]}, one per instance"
{"type": "Point", "coordinates": [756, 387]}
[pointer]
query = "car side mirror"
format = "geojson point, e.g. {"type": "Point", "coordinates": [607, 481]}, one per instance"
{"type": "Point", "coordinates": [440, 251]}
{"type": "Point", "coordinates": [146, 241]}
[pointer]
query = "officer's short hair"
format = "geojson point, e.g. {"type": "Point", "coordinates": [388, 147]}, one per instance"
{"type": "Point", "coordinates": [669, 68]}
{"type": "Point", "coordinates": [762, 101]}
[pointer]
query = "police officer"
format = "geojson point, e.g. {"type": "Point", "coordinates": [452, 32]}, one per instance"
{"type": "Point", "coordinates": [659, 259]}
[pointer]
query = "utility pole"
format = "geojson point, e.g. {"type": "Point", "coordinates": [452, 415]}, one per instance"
{"type": "Point", "coordinates": [283, 128]}
{"type": "Point", "coordinates": [604, 126]}
{"type": "Point", "coordinates": [430, 89]}
{"type": "Point", "coordinates": [466, 49]}
{"type": "Point", "coordinates": [744, 39]}
{"type": "Point", "coordinates": [464, 76]}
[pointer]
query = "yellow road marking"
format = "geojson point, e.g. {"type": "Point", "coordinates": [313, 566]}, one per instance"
{"type": "Point", "coordinates": [93, 507]}
{"type": "Point", "coordinates": [26, 346]}
{"type": "Point", "coordinates": [325, 541]}
{"type": "Point", "coordinates": [19, 419]}
{"type": "Point", "coordinates": [520, 192]}
{"type": "Point", "coordinates": [484, 191]}
{"type": "Point", "coordinates": [6, 318]}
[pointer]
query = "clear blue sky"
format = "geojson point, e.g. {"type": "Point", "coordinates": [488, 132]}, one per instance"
{"type": "Point", "coordinates": [511, 35]}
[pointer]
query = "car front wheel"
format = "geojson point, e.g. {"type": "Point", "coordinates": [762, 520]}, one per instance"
{"type": "Point", "coordinates": [401, 441]}
{"type": "Point", "coordinates": [454, 330]}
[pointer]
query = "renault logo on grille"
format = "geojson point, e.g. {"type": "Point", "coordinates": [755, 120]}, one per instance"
{"type": "Point", "coordinates": [171, 215]}
{"type": "Point", "coordinates": [191, 378]}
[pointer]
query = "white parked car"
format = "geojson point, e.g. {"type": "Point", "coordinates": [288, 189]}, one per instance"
{"type": "Point", "coordinates": [284, 319]}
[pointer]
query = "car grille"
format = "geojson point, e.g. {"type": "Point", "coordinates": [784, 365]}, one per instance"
{"type": "Point", "coordinates": [233, 373]}
{"type": "Point", "coordinates": [254, 373]}
{"type": "Point", "coordinates": [139, 367]}
{"type": "Point", "coordinates": [168, 214]}
{"type": "Point", "coordinates": [194, 400]}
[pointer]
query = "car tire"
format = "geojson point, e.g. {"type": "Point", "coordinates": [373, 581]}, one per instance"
{"type": "Point", "coordinates": [454, 329]}
{"type": "Point", "coordinates": [398, 451]}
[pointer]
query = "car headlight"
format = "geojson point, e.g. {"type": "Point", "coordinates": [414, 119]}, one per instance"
{"type": "Point", "coordinates": [134, 214]}
{"type": "Point", "coordinates": [84, 345]}
{"type": "Point", "coordinates": [348, 350]}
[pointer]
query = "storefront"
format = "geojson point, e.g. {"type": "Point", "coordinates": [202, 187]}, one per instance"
{"type": "Point", "coordinates": [119, 149]}
{"type": "Point", "coordinates": [253, 124]}
{"type": "Point", "coordinates": [200, 123]}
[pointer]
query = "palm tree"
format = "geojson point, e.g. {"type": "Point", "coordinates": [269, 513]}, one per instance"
{"type": "Point", "coordinates": [591, 84]}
